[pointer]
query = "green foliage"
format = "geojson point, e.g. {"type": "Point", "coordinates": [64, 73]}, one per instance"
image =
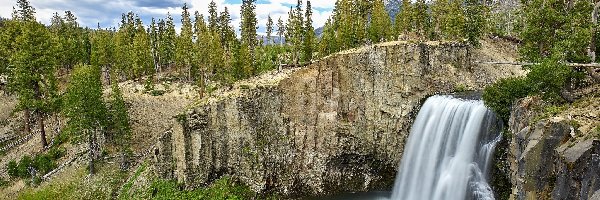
{"type": "Point", "coordinates": [548, 79]}
{"type": "Point", "coordinates": [501, 95]}
{"type": "Point", "coordinates": [403, 23]}
{"type": "Point", "coordinates": [380, 27]}
{"type": "Point", "coordinates": [12, 168]}
{"type": "Point", "coordinates": [125, 190]}
{"type": "Point", "coordinates": [553, 27]}
{"type": "Point", "coordinates": [83, 103]}
{"type": "Point", "coordinates": [40, 164]}
{"type": "Point", "coordinates": [120, 127]}
{"type": "Point", "coordinates": [474, 26]}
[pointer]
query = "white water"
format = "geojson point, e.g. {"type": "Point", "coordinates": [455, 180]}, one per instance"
{"type": "Point", "coordinates": [448, 152]}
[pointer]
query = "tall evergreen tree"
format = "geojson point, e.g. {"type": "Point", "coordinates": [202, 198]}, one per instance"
{"type": "Point", "coordinates": [309, 35]}
{"type": "Point", "coordinates": [226, 31]}
{"type": "Point", "coordinates": [422, 19]}
{"type": "Point", "coordinates": [280, 30]}
{"type": "Point", "coordinates": [168, 42]}
{"type": "Point", "coordinates": [34, 63]}
{"type": "Point", "coordinates": [202, 51]}
{"type": "Point", "coordinates": [84, 107]}
{"type": "Point", "coordinates": [475, 13]}
{"type": "Point", "coordinates": [185, 45]}
{"type": "Point", "coordinates": [404, 19]}
{"type": "Point", "coordinates": [269, 29]}
{"type": "Point", "coordinates": [379, 28]}
{"type": "Point", "coordinates": [120, 126]}
{"type": "Point", "coordinates": [249, 23]}
{"type": "Point", "coordinates": [213, 17]}
{"type": "Point", "coordinates": [142, 54]}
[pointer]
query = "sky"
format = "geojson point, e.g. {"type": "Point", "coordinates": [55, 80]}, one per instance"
{"type": "Point", "coordinates": [108, 12]}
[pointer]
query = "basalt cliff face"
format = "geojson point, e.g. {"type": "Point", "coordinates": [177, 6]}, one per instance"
{"type": "Point", "coordinates": [556, 156]}
{"type": "Point", "coordinates": [339, 124]}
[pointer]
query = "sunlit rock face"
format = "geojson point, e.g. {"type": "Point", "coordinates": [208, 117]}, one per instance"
{"type": "Point", "coordinates": [557, 157]}
{"type": "Point", "coordinates": [337, 125]}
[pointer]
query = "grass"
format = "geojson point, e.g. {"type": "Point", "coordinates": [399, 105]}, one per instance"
{"type": "Point", "coordinates": [125, 190]}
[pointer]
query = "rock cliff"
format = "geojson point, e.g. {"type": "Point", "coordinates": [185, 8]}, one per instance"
{"type": "Point", "coordinates": [554, 152]}
{"type": "Point", "coordinates": [337, 125]}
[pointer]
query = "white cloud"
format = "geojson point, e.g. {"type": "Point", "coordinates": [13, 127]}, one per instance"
{"type": "Point", "coordinates": [108, 12]}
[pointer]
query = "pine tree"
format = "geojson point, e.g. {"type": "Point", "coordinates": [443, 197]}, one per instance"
{"type": "Point", "coordinates": [249, 23]}
{"type": "Point", "coordinates": [403, 24]}
{"type": "Point", "coordinates": [379, 29]}
{"type": "Point", "coordinates": [280, 30]}
{"type": "Point", "coordinates": [84, 107]}
{"type": "Point", "coordinates": [102, 50]}
{"type": "Point", "coordinates": [474, 21]}
{"type": "Point", "coordinates": [422, 19]}
{"type": "Point", "coordinates": [309, 35]}
{"type": "Point", "coordinates": [249, 37]}
{"type": "Point", "coordinates": [142, 54]}
{"type": "Point", "coordinates": [183, 55]}
{"type": "Point", "coordinates": [33, 58]}
{"type": "Point", "coordinates": [213, 18]}
{"type": "Point", "coordinates": [154, 40]}
{"type": "Point", "coordinates": [120, 126]}
{"type": "Point", "coordinates": [26, 12]}
{"type": "Point", "coordinates": [168, 42]}
{"type": "Point", "coordinates": [202, 50]}
{"type": "Point", "coordinates": [269, 29]}
{"type": "Point", "coordinates": [328, 43]}
{"type": "Point", "coordinates": [226, 31]}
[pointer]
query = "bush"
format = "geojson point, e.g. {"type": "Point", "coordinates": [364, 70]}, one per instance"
{"type": "Point", "coordinates": [12, 169]}
{"type": "Point", "coordinates": [23, 167]}
{"type": "Point", "coordinates": [548, 79]}
{"type": "Point", "coordinates": [501, 95]}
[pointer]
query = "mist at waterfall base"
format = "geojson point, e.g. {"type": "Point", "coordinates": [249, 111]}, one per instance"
{"type": "Point", "coordinates": [448, 153]}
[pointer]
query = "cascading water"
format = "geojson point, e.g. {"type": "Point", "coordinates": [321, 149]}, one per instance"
{"type": "Point", "coordinates": [448, 152]}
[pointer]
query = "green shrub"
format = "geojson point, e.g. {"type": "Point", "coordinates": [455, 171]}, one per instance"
{"type": "Point", "coordinates": [501, 95]}
{"type": "Point", "coordinates": [12, 169]}
{"type": "Point", "coordinates": [44, 164]}
{"type": "Point", "coordinates": [57, 152]}
{"type": "Point", "coordinates": [23, 167]}
{"type": "Point", "coordinates": [157, 92]}
{"type": "Point", "coordinates": [548, 79]}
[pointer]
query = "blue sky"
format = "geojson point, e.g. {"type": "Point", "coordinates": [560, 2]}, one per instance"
{"type": "Point", "coordinates": [108, 12]}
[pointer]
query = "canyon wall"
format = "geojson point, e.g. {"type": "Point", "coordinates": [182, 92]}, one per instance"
{"type": "Point", "coordinates": [339, 124]}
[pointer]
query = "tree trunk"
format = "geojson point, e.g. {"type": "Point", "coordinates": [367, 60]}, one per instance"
{"type": "Point", "coordinates": [91, 152]}
{"type": "Point", "coordinates": [201, 93]}
{"type": "Point", "coordinates": [26, 119]}
{"type": "Point", "coordinates": [40, 119]}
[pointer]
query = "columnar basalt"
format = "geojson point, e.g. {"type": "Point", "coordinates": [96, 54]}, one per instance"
{"type": "Point", "coordinates": [339, 124]}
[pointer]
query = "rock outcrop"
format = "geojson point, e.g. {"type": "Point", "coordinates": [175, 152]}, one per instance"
{"type": "Point", "coordinates": [555, 157]}
{"type": "Point", "coordinates": [339, 124]}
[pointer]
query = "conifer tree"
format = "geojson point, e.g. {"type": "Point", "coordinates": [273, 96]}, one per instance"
{"type": "Point", "coordinates": [422, 19]}
{"type": "Point", "coordinates": [119, 125]}
{"type": "Point", "coordinates": [102, 50]}
{"type": "Point", "coordinates": [226, 31]}
{"type": "Point", "coordinates": [309, 35]}
{"type": "Point", "coordinates": [84, 107]}
{"type": "Point", "coordinates": [168, 42]}
{"type": "Point", "coordinates": [474, 21]}
{"type": "Point", "coordinates": [26, 12]}
{"type": "Point", "coordinates": [202, 51]}
{"type": "Point", "coordinates": [379, 28]}
{"type": "Point", "coordinates": [249, 23]}
{"type": "Point", "coordinates": [213, 17]}
{"type": "Point", "coordinates": [403, 24]}
{"type": "Point", "coordinates": [142, 54]}
{"type": "Point", "coordinates": [154, 40]}
{"type": "Point", "coordinates": [280, 30]}
{"type": "Point", "coordinates": [249, 37]}
{"type": "Point", "coordinates": [269, 29]}
{"type": "Point", "coordinates": [34, 63]}
{"type": "Point", "coordinates": [183, 55]}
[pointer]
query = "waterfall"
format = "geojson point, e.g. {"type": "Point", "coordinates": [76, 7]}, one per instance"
{"type": "Point", "coordinates": [448, 152]}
